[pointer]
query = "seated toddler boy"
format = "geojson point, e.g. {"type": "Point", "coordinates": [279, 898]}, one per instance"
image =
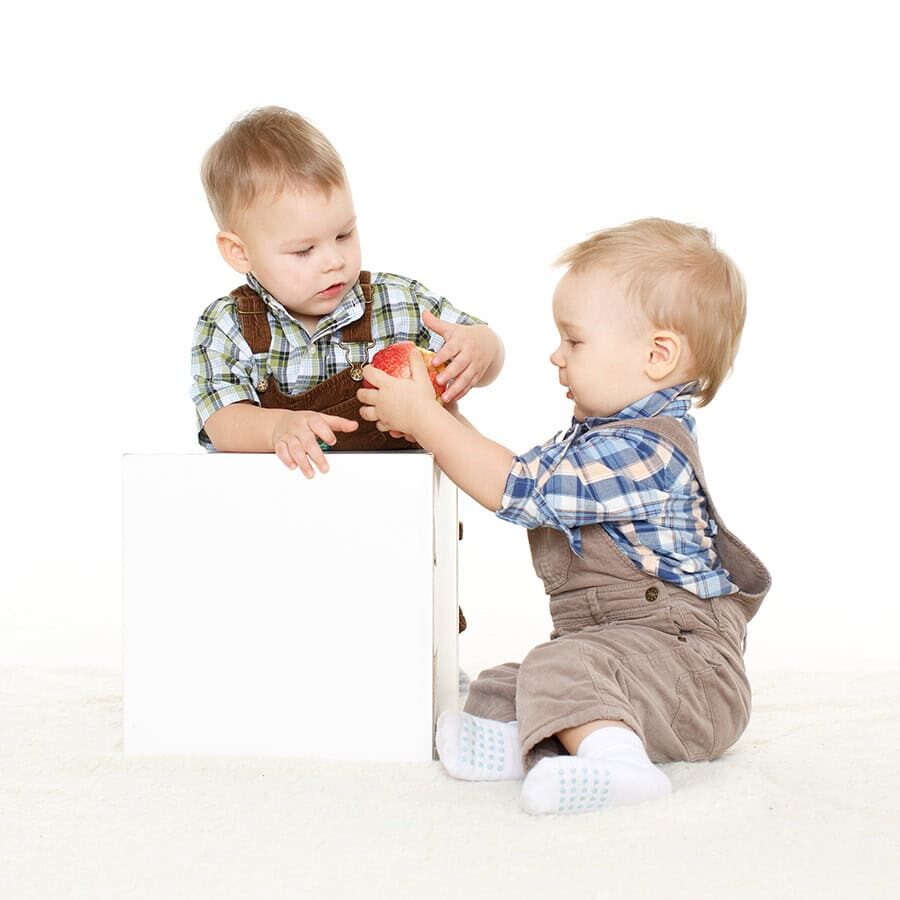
{"type": "Point", "coordinates": [276, 364]}
{"type": "Point", "coordinates": [650, 594]}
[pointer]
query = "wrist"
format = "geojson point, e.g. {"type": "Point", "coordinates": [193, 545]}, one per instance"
{"type": "Point", "coordinates": [431, 423]}
{"type": "Point", "coordinates": [281, 424]}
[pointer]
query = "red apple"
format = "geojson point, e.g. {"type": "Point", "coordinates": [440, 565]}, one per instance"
{"type": "Point", "coordinates": [395, 361]}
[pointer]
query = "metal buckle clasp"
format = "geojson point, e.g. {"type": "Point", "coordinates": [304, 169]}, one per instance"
{"type": "Point", "coordinates": [356, 368]}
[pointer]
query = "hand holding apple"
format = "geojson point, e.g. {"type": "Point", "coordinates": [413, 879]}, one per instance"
{"type": "Point", "coordinates": [394, 360]}
{"type": "Point", "coordinates": [397, 404]}
{"type": "Point", "coordinates": [468, 352]}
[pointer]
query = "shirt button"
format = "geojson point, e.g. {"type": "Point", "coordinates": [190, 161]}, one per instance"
{"type": "Point", "coordinates": [651, 594]}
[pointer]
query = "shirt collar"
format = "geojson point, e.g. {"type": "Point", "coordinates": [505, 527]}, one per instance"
{"type": "Point", "coordinates": [672, 401]}
{"type": "Point", "coordinates": [348, 310]}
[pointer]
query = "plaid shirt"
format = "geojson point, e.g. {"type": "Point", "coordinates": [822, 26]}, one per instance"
{"type": "Point", "coordinates": [634, 483]}
{"type": "Point", "coordinates": [225, 371]}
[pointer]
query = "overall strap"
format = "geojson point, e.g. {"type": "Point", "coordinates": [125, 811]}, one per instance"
{"type": "Point", "coordinates": [753, 578]}
{"type": "Point", "coordinates": [361, 330]}
{"type": "Point", "coordinates": [253, 319]}
{"type": "Point", "coordinates": [675, 433]}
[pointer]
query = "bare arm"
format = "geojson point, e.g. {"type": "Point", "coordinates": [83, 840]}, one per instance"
{"type": "Point", "coordinates": [478, 465]}
{"type": "Point", "coordinates": [293, 436]}
{"type": "Point", "coordinates": [243, 428]}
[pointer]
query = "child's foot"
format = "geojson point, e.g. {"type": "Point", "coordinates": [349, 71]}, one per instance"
{"type": "Point", "coordinates": [611, 769]}
{"type": "Point", "coordinates": [477, 749]}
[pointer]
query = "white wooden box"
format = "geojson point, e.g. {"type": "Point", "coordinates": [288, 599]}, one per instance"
{"type": "Point", "coordinates": [265, 614]}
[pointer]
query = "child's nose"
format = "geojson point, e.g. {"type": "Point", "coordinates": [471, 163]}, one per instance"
{"type": "Point", "coordinates": [334, 260]}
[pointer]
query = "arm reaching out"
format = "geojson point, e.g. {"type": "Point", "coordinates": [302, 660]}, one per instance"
{"type": "Point", "coordinates": [476, 464]}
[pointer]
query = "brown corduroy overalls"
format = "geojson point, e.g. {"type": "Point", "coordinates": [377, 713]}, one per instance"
{"type": "Point", "coordinates": [335, 396]}
{"type": "Point", "coordinates": [629, 646]}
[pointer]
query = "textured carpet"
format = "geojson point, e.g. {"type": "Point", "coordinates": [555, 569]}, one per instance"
{"type": "Point", "coordinates": [805, 805]}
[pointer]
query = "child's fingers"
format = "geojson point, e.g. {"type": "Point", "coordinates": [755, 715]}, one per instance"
{"type": "Point", "coordinates": [433, 323]}
{"type": "Point", "coordinates": [339, 423]}
{"type": "Point", "coordinates": [314, 452]}
{"type": "Point", "coordinates": [282, 452]}
{"type": "Point", "coordinates": [295, 451]}
{"type": "Point", "coordinates": [460, 387]}
{"type": "Point", "coordinates": [456, 367]}
{"type": "Point", "coordinates": [375, 376]}
{"type": "Point", "coordinates": [445, 354]}
{"type": "Point", "coordinates": [418, 368]}
{"type": "Point", "coordinates": [321, 429]}
{"type": "Point", "coordinates": [368, 396]}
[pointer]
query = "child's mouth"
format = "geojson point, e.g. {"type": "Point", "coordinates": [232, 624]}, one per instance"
{"type": "Point", "coordinates": [332, 290]}
{"type": "Point", "coordinates": [570, 395]}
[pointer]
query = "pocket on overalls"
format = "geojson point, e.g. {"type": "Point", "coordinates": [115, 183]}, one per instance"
{"type": "Point", "coordinates": [346, 409]}
{"type": "Point", "coordinates": [712, 712]}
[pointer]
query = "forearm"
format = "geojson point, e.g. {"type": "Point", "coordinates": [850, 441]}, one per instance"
{"type": "Point", "coordinates": [243, 428]}
{"type": "Point", "coordinates": [474, 463]}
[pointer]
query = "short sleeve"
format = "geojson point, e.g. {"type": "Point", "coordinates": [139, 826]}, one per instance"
{"type": "Point", "coordinates": [607, 476]}
{"type": "Point", "coordinates": [222, 365]}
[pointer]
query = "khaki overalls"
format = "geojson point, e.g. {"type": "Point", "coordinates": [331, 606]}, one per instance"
{"type": "Point", "coordinates": [629, 646]}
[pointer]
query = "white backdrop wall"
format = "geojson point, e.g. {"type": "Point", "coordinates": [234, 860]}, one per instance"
{"type": "Point", "coordinates": [481, 140]}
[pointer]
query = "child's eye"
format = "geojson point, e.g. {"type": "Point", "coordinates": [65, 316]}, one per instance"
{"type": "Point", "coordinates": [572, 343]}
{"type": "Point", "coordinates": [305, 252]}
{"type": "Point", "coordinates": [343, 237]}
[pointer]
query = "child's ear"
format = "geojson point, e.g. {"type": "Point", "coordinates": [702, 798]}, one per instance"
{"type": "Point", "coordinates": [233, 251]}
{"type": "Point", "coordinates": [666, 351]}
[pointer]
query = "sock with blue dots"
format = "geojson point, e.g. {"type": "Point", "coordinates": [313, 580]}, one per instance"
{"type": "Point", "coordinates": [476, 749]}
{"type": "Point", "coordinates": [611, 769]}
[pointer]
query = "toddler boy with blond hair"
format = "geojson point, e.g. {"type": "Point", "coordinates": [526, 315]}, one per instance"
{"type": "Point", "coordinates": [276, 364]}
{"type": "Point", "coordinates": [650, 594]}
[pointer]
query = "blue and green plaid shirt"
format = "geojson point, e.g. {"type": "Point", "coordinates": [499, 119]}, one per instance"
{"type": "Point", "coordinates": [225, 371]}
{"type": "Point", "coordinates": [634, 483]}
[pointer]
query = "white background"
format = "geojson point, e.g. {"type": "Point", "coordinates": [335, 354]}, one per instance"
{"type": "Point", "coordinates": [480, 140]}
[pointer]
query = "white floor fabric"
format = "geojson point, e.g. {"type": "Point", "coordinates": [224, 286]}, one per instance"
{"type": "Point", "coordinates": [805, 805]}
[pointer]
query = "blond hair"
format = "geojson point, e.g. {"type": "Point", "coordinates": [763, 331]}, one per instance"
{"type": "Point", "coordinates": [268, 149]}
{"type": "Point", "coordinates": [681, 282]}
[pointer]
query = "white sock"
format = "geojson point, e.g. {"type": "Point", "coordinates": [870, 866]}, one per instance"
{"type": "Point", "coordinates": [611, 769]}
{"type": "Point", "coordinates": [477, 749]}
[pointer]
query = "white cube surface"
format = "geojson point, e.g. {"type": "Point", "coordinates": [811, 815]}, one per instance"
{"type": "Point", "coordinates": [267, 614]}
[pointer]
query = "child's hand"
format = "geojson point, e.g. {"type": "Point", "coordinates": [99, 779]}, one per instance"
{"type": "Point", "coordinates": [295, 438]}
{"type": "Point", "coordinates": [469, 350]}
{"type": "Point", "coordinates": [397, 404]}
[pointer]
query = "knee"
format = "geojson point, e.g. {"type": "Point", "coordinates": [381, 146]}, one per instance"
{"type": "Point", "coordinates": [540, 659]}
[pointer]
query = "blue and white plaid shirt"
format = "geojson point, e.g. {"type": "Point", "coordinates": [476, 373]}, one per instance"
{"type": "Point", "coordinates": [634, 483]}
